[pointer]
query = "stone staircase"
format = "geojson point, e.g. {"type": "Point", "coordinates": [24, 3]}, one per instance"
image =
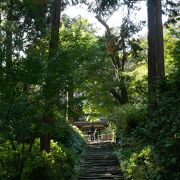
{"type": "Point", "coordinates": [99, 162]}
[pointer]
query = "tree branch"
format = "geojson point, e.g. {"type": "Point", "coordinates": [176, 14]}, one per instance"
{"type": "Point", "coordinates": [104, 24]}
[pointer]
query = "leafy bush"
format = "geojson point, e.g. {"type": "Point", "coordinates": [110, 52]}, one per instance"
{"type": "Point", "coordinates": [10, 161]}
{"type": "Point", "coordinates": [36, 165]}
{"type": "Point", "coordinates": [128, 117]}
{"type": "Point", "coordinates": [17, 161]}
{"type": "Point", "coordinates": [76, 142]}
{"type": "Point", "coordinates": [140, 165]}
{"type": "Point", "coordinates": [58, 164]}
{"type": "Point", "coordinates": [150, 147]}
{"type": "Point", "coordinates": [70, 136]}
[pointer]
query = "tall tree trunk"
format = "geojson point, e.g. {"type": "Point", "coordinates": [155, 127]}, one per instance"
{"type": "Point", "coordinates": [8, 41]}
{"type": "Point", "coordinates": [8, 58]}
{"type": "Point", "coordinates": [124, 93]}
{"type": "Point", "coordinates": [54, 41]}
{"type": "Point", "coordinates": [159, 40]}
{"type": "Point", "coordinates": [48, 89]}
{"type": "Point", "coordinates": [46, 134]}
{"type": "Point", "coordinates": [155, 51]}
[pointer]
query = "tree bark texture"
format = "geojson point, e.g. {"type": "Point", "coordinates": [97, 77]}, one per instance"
{"type": "Point", "coordinates": [48, 89]}
{"type": "Point", "coordinates": [53, 45]}
{"type": "Point", "coordinates": [46, 135]}
{"type": "Point", "coordinates": [156, 50]}
{"type": "Point", "coordinates": [122, 96]}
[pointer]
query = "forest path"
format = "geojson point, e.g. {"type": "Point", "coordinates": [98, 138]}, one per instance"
{"type": "Point", "coordinates": [100, 162]}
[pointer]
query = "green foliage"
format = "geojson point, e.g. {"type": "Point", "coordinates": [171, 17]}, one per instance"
{"type": "Point", "coordinates": [138, 83]}
{"type": "Point", "coordinates": [172, 54]}
{"type": "Point", "coordinates": [68, 135]}
{"type": "Point", "coordinates": [172, 11]}
{"type": "Point", "coordinates": [23, 158]}
{"type": "Point", "coordinates": [76, 142]}
{"type": "Point", "coordinates": [34, 164]}
{"type": "Point", "coordinates": [128, 117]}
{"type": "Point", "coordinates": [9, 161]}
{"type": "Point", "coordinates": [77, 43]}
{"type": "Point", "coordinates": [149, 148]}
{"type": "Point", "coordinates": [107, 7]}
{"type": "Point", "coordinates": [140, 165]}
{"type": "Point", "coordinates": [58, 164]}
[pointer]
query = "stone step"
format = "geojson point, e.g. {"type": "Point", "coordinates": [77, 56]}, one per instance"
{"type": "Point", "coordinates": [100, 155]}
{"type": "Point", "coordinates": [100, 163]}
{"type": "Point", "coordinates": [99, 166]}
{"type": "Point", "coordinates": [102, 177]}
{"type": "Point", "coordinates": [96, 160]}
{"type": "Point", "coordinates": [101, 172]}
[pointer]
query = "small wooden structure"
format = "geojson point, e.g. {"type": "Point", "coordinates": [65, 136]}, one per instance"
{"type": "Point", "coordinates": [84, 125]}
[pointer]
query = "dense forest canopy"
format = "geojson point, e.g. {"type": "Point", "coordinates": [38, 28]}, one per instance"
{"type": "Point", "coordinates": [56, 70]}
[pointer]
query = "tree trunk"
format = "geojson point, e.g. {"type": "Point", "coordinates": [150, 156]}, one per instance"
{"type": "Point", "coordinates": [155, 51]}
{"type": "Point", "coordinates": [49, 88]}
{"type": "Point", "coordinates": [46, 135]}
{"type": "Point", "coordinates": [159, 40]}
{"type": "Point", "coordinates": [54, 41]}
{"type": "Point", "coordinates": [9, 46]}
{"type": "Point", "coordinates": [121, 95]}
{"type": "Point", "coordinates": [124, 93]}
